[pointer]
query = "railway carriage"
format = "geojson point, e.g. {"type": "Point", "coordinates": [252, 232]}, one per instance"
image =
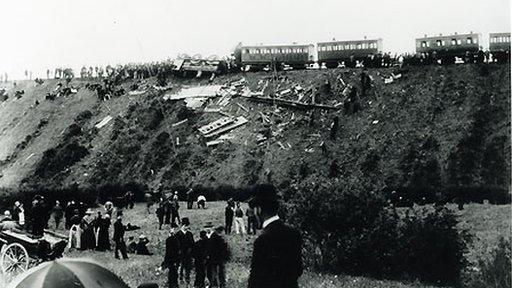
{"type": "Point", "coordinates": [448, 47]}
{"type": "Point", "coordinates": [332, 53]}
{"type": "Point", "coordinates": [257, 57]}
{"type": "Point", "coordinates": [499, 47]}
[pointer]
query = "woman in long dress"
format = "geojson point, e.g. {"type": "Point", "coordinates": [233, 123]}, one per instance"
{"type": "Point", "coordinates": [88, 239]}
{"type": "Point", "coordinates": [103, 234]}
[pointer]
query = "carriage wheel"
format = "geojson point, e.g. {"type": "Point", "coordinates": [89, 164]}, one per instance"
{"type": "Point", "coordinates": [14, 259]}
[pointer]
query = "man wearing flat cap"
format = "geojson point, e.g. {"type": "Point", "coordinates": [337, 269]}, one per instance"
{"type": "Point", "coordinates": [277, 256]}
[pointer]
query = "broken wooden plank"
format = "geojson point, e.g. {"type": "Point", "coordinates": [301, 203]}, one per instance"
{"type": "Point", "coordinates": [179, 123]}
{"type": "Point", "coordinates": [239, 121]}
{"type": "Point", "coordinates": [216, 125]}
{"type": "Point", "coordinates": [104, 121]}
{"type": "Point", "coordinates": [136, 92]}
{"type": "Point", "coordinates": [243, 108]}
{"type": "Point", "coordinates": [213, 143]}
{"type": "Point", "coordinates": [208, 91]}
{"type": "Point", "coordinates": [289, 103]}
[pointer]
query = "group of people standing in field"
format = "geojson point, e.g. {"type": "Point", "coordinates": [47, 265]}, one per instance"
{"type": "Point", "coordinates": [235, 216]}
{"type": "Point", "coordinates": [195, 262]}
{"type": "Point", "coordinates": [277, 254]}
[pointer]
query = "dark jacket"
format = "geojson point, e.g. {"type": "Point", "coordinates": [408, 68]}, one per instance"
{"type": "Point", "coordinates": [119, 230]}
{"type": "Point", "coordinates": [200, 251]}
{"type": "Point", "coordinates": [186, 243]}
{"type": "Point", "coordinates": [277, 257]}
{"type": "Point", "coordinates": [229, 212]}
{"type": "Point", "coordinates": [217, 249]}
{"type": "Point", "coordinates": [172, 251]}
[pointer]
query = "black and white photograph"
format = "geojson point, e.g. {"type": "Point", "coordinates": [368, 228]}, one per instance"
{"type": "Point", "coordinates": [255, 144]}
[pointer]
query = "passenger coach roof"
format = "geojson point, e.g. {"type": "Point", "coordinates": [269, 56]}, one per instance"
{"type": "Point", "coordinates": [278, 46]}
{"type": "Point", "coordinates": [349, 41]}
{"type": "Point", "coordinates": [448, 36]}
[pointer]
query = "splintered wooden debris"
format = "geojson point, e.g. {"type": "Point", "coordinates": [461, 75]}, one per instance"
{"type": "Point", "coordinates": [216, 125]}
{"type": "Point", "coordinates": [103, 122]}
{"type": "Point", "coordinates": [237, 122]}
{"type": "Point", "coordinates": [193, 92]}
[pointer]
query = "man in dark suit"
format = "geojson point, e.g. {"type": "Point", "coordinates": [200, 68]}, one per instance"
{"type": "Point", "coordinates": [277, 255]}
{"type": "Point", "coordinates": [187, 244]}
{"type": "Point", "coordinates": [120, 245]}
{"type": "Point", "coordinates": [172, 256]}
{"type": "Point", "coordinates": [217, 256]}
{"type": "Point", "coordinates": [200, 255]}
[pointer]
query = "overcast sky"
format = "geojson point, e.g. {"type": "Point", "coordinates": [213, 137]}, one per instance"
{"type": "Point", "coordinates": [40, 34]}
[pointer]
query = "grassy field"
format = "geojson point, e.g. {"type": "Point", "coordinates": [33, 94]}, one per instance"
{"type": "Point", "coordinates": [486, 222]}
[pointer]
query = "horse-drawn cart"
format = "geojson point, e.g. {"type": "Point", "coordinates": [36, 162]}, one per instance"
{"type": "Point", "coordinates": [20, 250]}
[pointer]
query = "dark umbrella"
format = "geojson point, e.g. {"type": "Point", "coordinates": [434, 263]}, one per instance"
{"type": "Point", "coordinates": [68, 273]}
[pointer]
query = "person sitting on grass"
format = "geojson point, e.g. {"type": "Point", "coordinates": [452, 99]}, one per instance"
{"type": "Point", "coordinates": [132, 245]}
{"type": "Point", "coordinates": [141, 247]}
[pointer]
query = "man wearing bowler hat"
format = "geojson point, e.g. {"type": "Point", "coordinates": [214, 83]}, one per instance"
{"type": "Point", "coordinates": [172, 256]}
{"type": "Point", "coordinates": [186, 244]}
{"type": "Point", "coordinates": [277, 256]}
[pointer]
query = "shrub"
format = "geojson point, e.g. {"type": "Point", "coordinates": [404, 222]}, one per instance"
{"type": "Point", "coordinates": [431, 246]}
{"type": "Point", "coordinates": [348, 228]}
{"type": "Point", "coordinates": [493, 270]}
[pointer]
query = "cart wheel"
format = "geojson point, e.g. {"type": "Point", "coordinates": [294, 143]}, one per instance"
{"type": "Point", "coordinates": [14, 259]}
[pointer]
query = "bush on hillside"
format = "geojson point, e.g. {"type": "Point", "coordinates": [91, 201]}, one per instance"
{"type": "Point", "coordinates": [349, 229]}
{"type": "Point", "coordinates": [493, 270]}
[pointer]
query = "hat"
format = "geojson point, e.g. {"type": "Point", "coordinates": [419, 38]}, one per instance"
{"type": "Point", "coordinates": [7, 213]}
{"type": "Point", "coordinates": [264, 193]}
{"type": "Point", "coordinates": [185, 221]}
{"type": "Point", "coordinates": [89, 211]}
{"type": "Point", "coordinates": [208, 224]}
{"type": "Point", "coordinates": [17, 203]}
{"type": "Point", "coordinates": [174, 225]}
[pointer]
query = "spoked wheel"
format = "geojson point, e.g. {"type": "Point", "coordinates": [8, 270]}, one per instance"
{"type": "Point", "coordinates": [14, 260]}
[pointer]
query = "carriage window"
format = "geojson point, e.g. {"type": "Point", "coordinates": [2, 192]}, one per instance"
{"type": "Point", "coordinates": [439, 43]}
{"type": "Point", "coordinates": [423, 43]}
{"type": "Point", "coordinates": [454, 41]}
{"type": "Point", "coordinates": [359, 45]}
{"type": "Point", "coordinates": [459, 41]}
{"type": "Point", "coordinates": [246, 51]}
{"type": "Point", "coordinates": [508, 39]}
{"type": "Point", "coordinates": [329, 47]}
{"type": "Point", "coordinates": [469, 40]}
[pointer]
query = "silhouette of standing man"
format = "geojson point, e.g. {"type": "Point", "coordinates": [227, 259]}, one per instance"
{"type": "Point", "coordinates": [277, 256]}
